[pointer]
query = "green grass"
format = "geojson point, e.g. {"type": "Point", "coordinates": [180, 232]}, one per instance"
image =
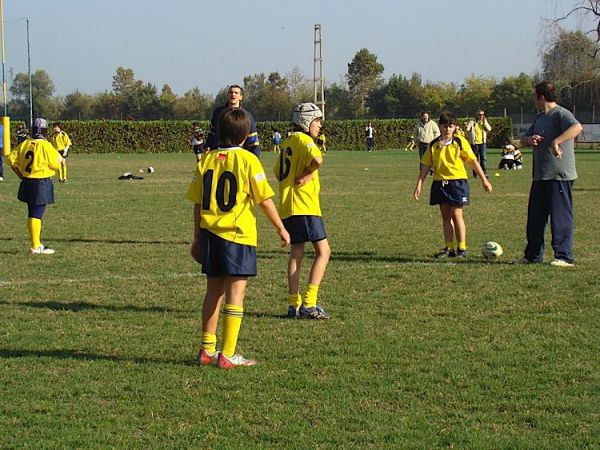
{"type": "Point", "coordinates": [97, 342]}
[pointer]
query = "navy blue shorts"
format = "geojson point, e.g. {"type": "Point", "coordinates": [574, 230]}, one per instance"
{"type": "Point", "coordinates": [225, 258]}
{"type": "Point", "coordinates": [453, 192]}
{"type": "Point", "coordinates": [305, 229]}
{"type": "Point", "coordinates": [36, 191]}
{"type": "Point", "coordinates": [198, 149]}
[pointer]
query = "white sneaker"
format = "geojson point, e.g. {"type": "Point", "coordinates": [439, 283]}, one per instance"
{"type": "Point", "coordinates": [42, 250]}
{"type": "Point", "coordinates": [561, 263]}
{"type": "Point", "coordinates": [235, 361]}
{"type": "Point", "coordinates": [1, 179]}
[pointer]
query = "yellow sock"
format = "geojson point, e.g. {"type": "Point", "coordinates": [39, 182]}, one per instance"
{"type": "Point", "coordinates": [310, 298]}
{"type": "Point", "coordinates": [295, 300]}
{"type": "Point", "coordinates": [209, 342]}
{"type": "Point", "coordinates": [462, 245]}
{"type": "Point", "coordinates": [450, 245]}
{"type": "Point", "coordinates": [35, 231]}
{"type": "Point", "coordinates": [60, 177]}
{"type": "Point", "coordinates": [64, 172]}
{"type": "Point", "coordinates": [232, 321]}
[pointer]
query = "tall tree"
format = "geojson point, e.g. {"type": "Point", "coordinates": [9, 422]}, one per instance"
{"type": "Point", "coordinates": [42, 89]}
{"type": "Point", "coordinates": [78, 106]}
{"type": "Point", "coordinates": [475, 93]}
{"type": "Point", "coordinates": [568, 60]}
{"type": "Point", "coordinates": [364, 72]}
{"type": "Point", "coordinates": [512, 93]}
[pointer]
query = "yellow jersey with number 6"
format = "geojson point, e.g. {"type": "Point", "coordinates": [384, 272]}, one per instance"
{"type": "Point", "coordinates": [297, 152]}
{"type": "Point", "coordinates": [35, 158]}
{"type": "Point", "coordinates": [228, 183]}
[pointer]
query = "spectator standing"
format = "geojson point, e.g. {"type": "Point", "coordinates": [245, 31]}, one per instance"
{"type": "Point", "coordinates": [235, 95]}
{"type": "Point", "coordinates": [552, 137]}
{"type": "Point", "coordinates": [370, 137]}
{"type": "Point", "coordinates": [479, 130]}
{"type": "Point", "coordinates": [276, 141]}
{"type": "Point", "coordinates": [197, 140]}
{"type": "Point", "coordinates": [21, 133]}
{"type": "Point", "coordinates": [425, 132]}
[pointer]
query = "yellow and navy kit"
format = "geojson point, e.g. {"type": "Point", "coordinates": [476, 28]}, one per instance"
{"type": "Point", "coordinates": [448, 161]}
{"type": "Point", "coordinates": [60, 141]}
{"type": "Point", "coordinates": [228, 183]}
{"type": "Point", "coordinates": [35, 158]}
{"type": "Point", "coordinates": [297, 152]}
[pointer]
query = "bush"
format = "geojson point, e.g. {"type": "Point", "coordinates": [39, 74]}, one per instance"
{"type": "Point", "coordinates": [109, 136]}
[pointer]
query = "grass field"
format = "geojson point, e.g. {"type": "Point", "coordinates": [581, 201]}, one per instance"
{"type": "Point", "coordinates": [97, 342]}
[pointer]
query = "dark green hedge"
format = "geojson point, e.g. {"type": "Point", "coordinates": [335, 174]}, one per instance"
{"type": "Point", "coordinates": [174, 136]}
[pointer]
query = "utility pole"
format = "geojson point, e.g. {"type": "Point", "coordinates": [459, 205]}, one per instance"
{"type": "Point", "coordinates": [318, 80]}
{"type": "Point", "coordinates": [4, 119]}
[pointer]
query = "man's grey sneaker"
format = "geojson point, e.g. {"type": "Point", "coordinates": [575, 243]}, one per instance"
{"type": "Point", "coordinates": [315, 312]}
{"type": "Point", "coordinates": [561, 263]}
{"type": "Point", "coordinates": [524, 260]}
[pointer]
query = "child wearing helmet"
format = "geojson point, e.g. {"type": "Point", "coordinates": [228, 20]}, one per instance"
{"type": "Point", "coordinates": [34, 161]}
{"type": "Point", "coordinates": [297, 170]}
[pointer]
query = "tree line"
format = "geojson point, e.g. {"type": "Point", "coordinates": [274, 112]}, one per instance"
{"type": "Point", "coordinates": [569, 60]}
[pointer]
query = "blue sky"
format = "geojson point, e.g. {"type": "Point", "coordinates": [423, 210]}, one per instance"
{"type": "Point", "coordinates": [187, 43]}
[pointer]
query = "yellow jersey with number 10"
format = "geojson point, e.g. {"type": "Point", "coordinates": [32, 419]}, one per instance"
{"type": "Point", "coordinates": [297, 152]}
{"type": "Point", "coordinates": [228, 184]}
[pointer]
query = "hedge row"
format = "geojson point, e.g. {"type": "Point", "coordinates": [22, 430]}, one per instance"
{"type": "Point", "coordinates": [174, 136]}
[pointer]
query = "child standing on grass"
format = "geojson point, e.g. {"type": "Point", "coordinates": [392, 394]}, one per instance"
{"type": "Point", "coordinates": [297, 170]}
{"type": "Point", "coordinates": [447, 155]}
{"type": "Point", "coordinates": [34, 161]}
{"type": "Point", "coordinates": [197, 140]}
{"type": "Point", "coordinates": [228, 182]}
{"type": "Point", "coordinates": [61, 142]}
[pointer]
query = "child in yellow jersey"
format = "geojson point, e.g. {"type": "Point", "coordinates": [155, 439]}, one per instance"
{"type": "Point", "coordinates": [228, 182]}
{"type": "Point", "coordinates": [447, 155]}
{"type": "Point", "coordinates": [298, 175]}
{"type": "Point", "coordinates": [61, 141]}
{"type": "Point", "coordinates": [34, 161]}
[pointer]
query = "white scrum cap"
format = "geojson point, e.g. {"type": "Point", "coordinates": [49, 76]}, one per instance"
{"type": "Point", "coordinates": [304, 113]}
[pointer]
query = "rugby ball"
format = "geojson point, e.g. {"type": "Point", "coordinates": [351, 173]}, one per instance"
{"type": "Point", "coordinates": [150, 169]}
{"type": "Point", "coordinates": [491, 250]}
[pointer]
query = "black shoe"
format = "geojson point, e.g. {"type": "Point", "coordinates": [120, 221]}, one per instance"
{"type": "Point", "coordinates": [460, 253]}
{"type": "Point", "coordinates": [445, 253]}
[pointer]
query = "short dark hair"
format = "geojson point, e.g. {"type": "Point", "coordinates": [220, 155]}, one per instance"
{"type": "Point", "coordinates": [236, 86]}
{"type": "Point", "coordinates": [58, 124]}
{"type": "Point", "coordinates": [548, 90]}
{"type": "Point", "coordinates": [233, 126]}
{"type": "Point", "coordinates": [447, 118]}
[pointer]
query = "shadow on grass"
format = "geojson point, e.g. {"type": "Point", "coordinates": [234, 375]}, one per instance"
{"type": "Point", "coordinates": [399, 259]}
{"type": "Point", "coordinates": [109, 241]}
{"type": "Point", "coordinates": [264, 315]}
{"type": "Point", "coordinates": [86, 356]}
{"type": "Point", "coordinates": [83, 306]}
